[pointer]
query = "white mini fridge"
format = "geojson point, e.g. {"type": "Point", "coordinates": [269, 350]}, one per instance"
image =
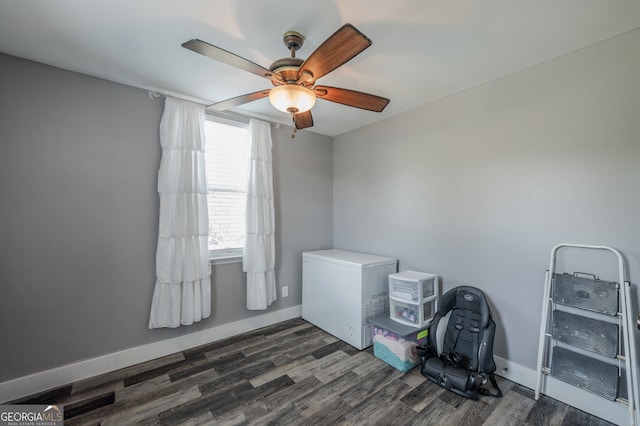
{"type": "Point", "coordinates": [341, 290]}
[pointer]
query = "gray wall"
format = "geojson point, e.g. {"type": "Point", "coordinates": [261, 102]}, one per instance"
{"type": "Point", "coordinates": [79, 158]}
{"type": "Point", "coordinates": [479, 187]}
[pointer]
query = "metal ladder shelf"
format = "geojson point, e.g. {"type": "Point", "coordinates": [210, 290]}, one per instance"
{"type": "Point", "coordinates": [626, 324]}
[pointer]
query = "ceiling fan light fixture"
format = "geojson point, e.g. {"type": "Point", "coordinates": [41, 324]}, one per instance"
{"type": "Point", "coordinates": [292, 98]}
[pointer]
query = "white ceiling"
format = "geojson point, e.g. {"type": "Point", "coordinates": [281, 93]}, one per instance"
{"type": "Point", "coordinates": [423, 50]}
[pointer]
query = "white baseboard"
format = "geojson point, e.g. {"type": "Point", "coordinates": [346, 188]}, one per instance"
{"type": "Point", "coordinates": [515, 372]}
{"type": "Point", "coordinates": [588, 402]}
{"type": "Point", "coordinates": [63, 375]}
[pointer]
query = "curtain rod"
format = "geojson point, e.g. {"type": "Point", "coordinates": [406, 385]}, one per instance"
{"type": "Point", "coordinates": [221, 114]}
{"type": "Point", "coordinates": [159, 95]}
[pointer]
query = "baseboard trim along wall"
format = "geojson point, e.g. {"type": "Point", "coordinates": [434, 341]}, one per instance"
{"type": "Point", "coordinates": [608, 410]}
{"type": "Point", "coordinates": [63, 375]}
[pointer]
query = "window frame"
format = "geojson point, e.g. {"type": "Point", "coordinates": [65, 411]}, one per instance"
{"type": "Point", "coordinates": [231, 254]}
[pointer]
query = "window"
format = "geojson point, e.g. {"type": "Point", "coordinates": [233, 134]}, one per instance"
{"type": "Point", "coordinates": [227, 161]}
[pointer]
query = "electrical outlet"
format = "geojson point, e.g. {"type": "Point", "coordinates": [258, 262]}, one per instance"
{"type": "Point", "coordinates": [285, 291]}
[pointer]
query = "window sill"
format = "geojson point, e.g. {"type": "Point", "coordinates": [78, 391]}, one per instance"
{"type": "Point", "coordinates": [223, 260]}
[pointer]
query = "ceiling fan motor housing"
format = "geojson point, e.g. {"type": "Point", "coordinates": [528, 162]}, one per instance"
{"type": "Point", "coordinates": [287, 68]}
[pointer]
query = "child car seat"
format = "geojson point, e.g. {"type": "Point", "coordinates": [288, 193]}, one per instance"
{"type": "Point", "coordinates": [459, 355]}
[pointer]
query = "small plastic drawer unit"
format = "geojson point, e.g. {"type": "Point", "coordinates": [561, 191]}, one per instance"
{"type": "Point", "coordinates": [413, 297]}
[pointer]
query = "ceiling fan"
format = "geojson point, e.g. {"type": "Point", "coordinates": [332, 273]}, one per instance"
{"type": "Point", "coordinates": [294, 79]}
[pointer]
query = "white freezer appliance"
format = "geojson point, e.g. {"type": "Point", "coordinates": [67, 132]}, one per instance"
{"type": "Point", "coordinates": [342, 289]}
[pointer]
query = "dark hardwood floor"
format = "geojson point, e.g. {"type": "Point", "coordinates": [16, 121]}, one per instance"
{"type": "Point", "coordinates": [289, 373]}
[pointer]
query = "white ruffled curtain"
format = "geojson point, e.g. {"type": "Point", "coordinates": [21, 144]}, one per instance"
{"type": "Point", "coordinates": [182, 293]}
{"type": "Point", "coordinates": [259, 251]}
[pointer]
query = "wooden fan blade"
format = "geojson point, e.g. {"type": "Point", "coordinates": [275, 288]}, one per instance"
{"type": "Point", "coordinates": [351, 98]}
{"type": "Point", "coordinates": [238, 100]}
{"type": "Point", "coordinates": [342, 46]}
{"type": "Point", "coordinates": [303, 120]}
{"type": "Point", "coordinates": [214, 52]}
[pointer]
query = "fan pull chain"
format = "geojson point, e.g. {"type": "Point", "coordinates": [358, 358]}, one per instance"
{"type": "Point", "coordinates": [295, 129]}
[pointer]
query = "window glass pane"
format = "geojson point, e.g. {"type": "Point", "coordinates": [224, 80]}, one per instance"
{"type": "Point", "coordinates": [227, 163]}
{"type": "Point", "coordinates": [226, 220]}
